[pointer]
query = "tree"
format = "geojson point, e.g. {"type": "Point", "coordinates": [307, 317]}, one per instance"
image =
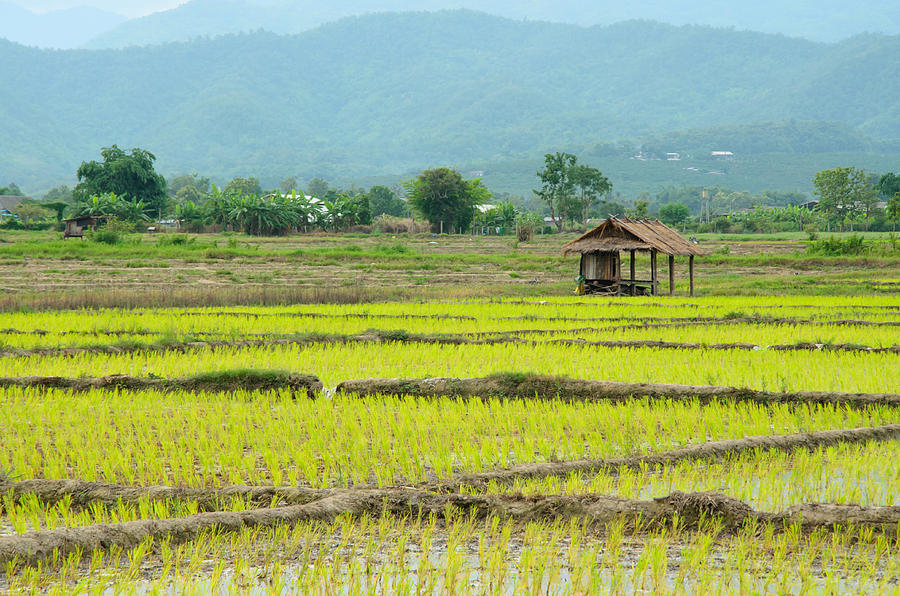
{"type": "Point", "coordinates": [128, 175]}
{"type": "Point", "coordinates": [445, 199]}
{"type": "Point", "coordinates": [199, 185]}
{"type": "Point", "coordinates": [638, 210]}
{"type": "Point", "coordinates": [59, 193]}
{"type": "Point", "coordinates": [246, 186]}
{"type": "Point", "coordinates": [11, 190]}
{"type": "Point", "coordinates": [288, 184]}
{"type": "Point", "coordinates": [57, 207]}
{"type": "Point", "coordinates": [589, 183]}
{"type": "Point", "coordinates": [888, 185]}
{"type": "Point", "coordinates": [384, 201]}
{"type": "Point", "coordinates": [674, 213]}
{"type": "Point", "coordinates": [893, 209]}
{"type": "Point", "coordinates": [556, 183]}
{"type": "Point", "coordinates": [843, 191]}
{"type": "Point", "coordinates": [317, 188]}
{"type": "Point", "coordinates": [31, 214]}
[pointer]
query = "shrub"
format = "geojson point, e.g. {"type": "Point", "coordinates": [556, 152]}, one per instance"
{"type": "Point", "coordinates": [835, 247]}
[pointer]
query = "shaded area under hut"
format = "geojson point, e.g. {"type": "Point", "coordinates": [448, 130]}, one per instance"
{"type": "Point", "coordinates": [600, 248]}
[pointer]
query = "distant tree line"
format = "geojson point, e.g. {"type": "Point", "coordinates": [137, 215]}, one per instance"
{"type": "Point", "coordinates": [125, 185]}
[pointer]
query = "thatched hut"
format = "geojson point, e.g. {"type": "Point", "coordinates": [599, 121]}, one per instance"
{"type": "Point", "coordinates": [600, 264]}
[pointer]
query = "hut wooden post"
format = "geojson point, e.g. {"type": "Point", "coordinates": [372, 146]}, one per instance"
{"type": "Point", "coordinates": [654, 280]}
{"type": "Point", "coordinates": [671, 274]}
{"type": "Point", "coordinates": [691, 261]}
{"type": "Point", "coordinates": [632, 273]}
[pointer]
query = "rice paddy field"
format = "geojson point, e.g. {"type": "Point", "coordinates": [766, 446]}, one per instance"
{"type": "Point", "coordinates": [770, 473]}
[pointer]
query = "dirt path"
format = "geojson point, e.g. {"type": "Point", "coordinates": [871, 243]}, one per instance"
{"type": "Point", "coordinates": [690, 509]}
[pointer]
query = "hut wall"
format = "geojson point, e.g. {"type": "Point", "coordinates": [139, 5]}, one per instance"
{"type": "Point", "coordinates": [600, 265]}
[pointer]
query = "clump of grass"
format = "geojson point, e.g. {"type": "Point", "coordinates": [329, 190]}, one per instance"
{"type": "Point", "coordinates": [176, 240]}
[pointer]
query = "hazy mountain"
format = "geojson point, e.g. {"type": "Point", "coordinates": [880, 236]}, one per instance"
{"type": "Point", "coordinates": [67, 28]}
{"type": "Point", "coordinates": [823, 20]}
{"type": "Point", "coordinates": [383, 93]}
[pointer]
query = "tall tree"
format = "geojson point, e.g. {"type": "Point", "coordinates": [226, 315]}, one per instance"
{"type": "Point", "coordinates": [129, 176]}
{"type": "Point", "coordinates": [556, 183]}
{"type": "Point", "coordinates": [445, 199]}
{"type": "Point", "coordinates": [289, 184]}
{"type": "Point", "coordinates": [843, 192]}
{"type": "Point", "coordinates": [893, 209]}
{"type": "Point", "coordinates": [317, 188]}
{"type": "Point", "coordinates": [589, 183]}
{"type": "Point", "coordinates": [888, 185]}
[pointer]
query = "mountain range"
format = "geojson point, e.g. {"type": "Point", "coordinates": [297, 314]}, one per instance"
{"type": "Point", "coordinates": [818, 20]}
{"type": "Point", "coordinates": [387, 93]}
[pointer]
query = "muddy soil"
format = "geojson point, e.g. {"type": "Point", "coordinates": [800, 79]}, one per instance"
{"type": "Point", "coordinates": [226, 381]}
{"type": "Point", "coordinates": [690, 509]}
{"type": "Point", "coordinates": [382, 335]}
{"type": "Point", "coordinates": [82, 494]}
{"type": "Point", "coordinates": [526, 386]}
{"type": "Point", "coordinates": [712, 450]}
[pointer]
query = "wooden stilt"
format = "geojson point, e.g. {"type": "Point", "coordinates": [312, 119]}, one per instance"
{"type": "Point", "coordinates": [654, 279]}
{"type": "Point", "coordinates": [692, 273]}
{"type": "Point", "coordinates": [671, 274]}
{"type": "Point", "coordinates": [632, 273]}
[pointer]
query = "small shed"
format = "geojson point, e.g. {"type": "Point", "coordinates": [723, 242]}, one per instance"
{"type": "Point", "coordinates": [601, 266]}
{"type": "Point", "coordinates": [75, 226]}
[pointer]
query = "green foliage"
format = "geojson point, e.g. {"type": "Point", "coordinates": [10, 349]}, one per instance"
{"type": "Point", "coordinates": [888, 185]}
{"type": "Point", "coordinates": [289, 184]}
{"type": "Point", "coordinates": [384, 201]}
{"type": "Point", "coordinates": [122, 208]}
{"type": "Point", "coordinates": [175, 240]}
{"type": "Point", "coordinates": [844, 192]}
{"type": "Point", "coordinates": [835, 247]}
{"type": "Point", "coordinates": [568, 188]}
{"type": "Point", "coordinates": [11, 190]}
{"type": "Point", "coordinates": [113, 232]}
{"type": "Point", "coordinates": [317, 188]}
{"type": "Point", "coordinates": [33, 216]}
{"type": "Point", "coordinates": [130, 176]}
{"type": "Point", "coordinates": [445, 199]}
{"type": "Point", "coordinates": [61, 193]}
{"type": "Point", "coordinates": [247, 186]}
{"type": "Point", "coordinates": [674, 213]}
{"type": "Point", "coordinates": [556, 185]}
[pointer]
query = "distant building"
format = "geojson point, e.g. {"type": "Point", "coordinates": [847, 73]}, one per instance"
{"type": "Point", "coordinates": [673, 157]}
{"type": "Point", "coordinates": [8, 203]}
{"type": "Point", "coordinates": [721, 154]}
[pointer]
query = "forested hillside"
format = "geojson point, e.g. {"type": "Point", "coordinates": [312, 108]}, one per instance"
{"type": "Point", "coordinates": [385, 93]}
{"type": "Point", "coordinates": [821, 20]}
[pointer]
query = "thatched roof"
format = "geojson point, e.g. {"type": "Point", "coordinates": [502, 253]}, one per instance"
{"type": "Point", "coordinates": [616, 234]}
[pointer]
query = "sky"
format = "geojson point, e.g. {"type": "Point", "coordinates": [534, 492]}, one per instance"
{"type": "Point", "coordinates": [128, 8]}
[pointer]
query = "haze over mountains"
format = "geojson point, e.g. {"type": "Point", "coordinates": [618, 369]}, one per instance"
{"type": "Point", "coordinates": [66, 28]}
{"type": "Point", "coordinates": [386, 93]}
{"type": "Point", "coordinates": [819, 20]}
